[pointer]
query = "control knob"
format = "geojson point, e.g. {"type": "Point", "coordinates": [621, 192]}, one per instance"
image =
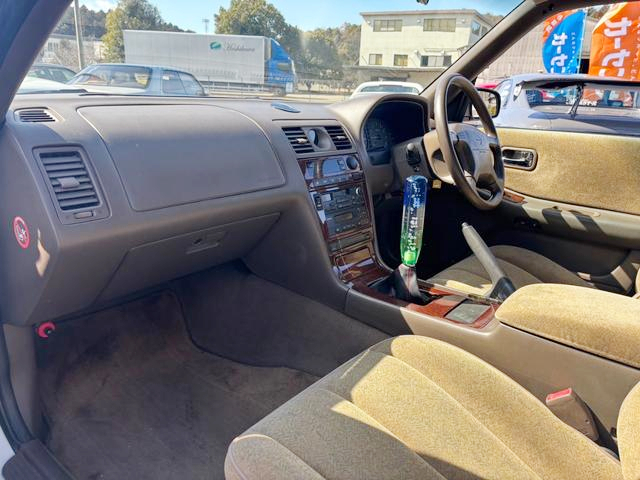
{"type": "Point", "coordinates": [352, 162]}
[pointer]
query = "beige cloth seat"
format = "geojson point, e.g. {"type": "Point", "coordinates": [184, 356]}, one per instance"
{"type": "Point", "coordinates": [523, 266]}
{"type": "Point", "coordinates": [417, 408]}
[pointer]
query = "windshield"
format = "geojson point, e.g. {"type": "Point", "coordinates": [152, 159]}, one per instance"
{"type": "Point", "coordinates": [281, 48]}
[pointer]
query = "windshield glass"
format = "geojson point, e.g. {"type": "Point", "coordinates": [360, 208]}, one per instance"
{"type": "Point", "coordinates": [280, 48]}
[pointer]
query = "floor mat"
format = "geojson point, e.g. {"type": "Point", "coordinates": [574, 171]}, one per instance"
{"type": "Point", "coordinates": [128, 395]}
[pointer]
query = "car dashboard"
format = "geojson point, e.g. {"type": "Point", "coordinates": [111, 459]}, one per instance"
{"type": "Point", "coordinates": [117, 194]}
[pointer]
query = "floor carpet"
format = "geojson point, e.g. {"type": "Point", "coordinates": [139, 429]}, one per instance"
{"type": "Point", "coordinates": [128, 396]}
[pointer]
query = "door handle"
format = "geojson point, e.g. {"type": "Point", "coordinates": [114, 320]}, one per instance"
{"type": "Point", "coordinates": [522, 158]}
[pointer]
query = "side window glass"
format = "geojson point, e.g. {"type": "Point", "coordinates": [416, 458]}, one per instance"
{"type": "Point", "coordinates": [565, 74]}
{"type": "Point", "coordinates": [191, 85]}
{"type": "Point", "coordinates": [171, 83]}
{"type": "Point", "coordinates": [503, 90]}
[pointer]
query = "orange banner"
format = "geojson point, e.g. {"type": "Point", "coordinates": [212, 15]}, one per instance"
{"type": "Point", "coordinates": [615, 44]}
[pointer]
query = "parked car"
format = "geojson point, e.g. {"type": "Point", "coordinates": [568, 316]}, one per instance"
{"type": "Point", "coordinates": [129, 79]}
{"type": "Point", "coordinates": [387, 87]}
{"type": "Point", "coordinates": [50, 71]}
{"type": "Point", "coordinates": [580, 103]}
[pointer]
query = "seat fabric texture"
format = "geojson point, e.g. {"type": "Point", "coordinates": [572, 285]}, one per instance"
{"type": "Point", "coordinates": [522, 266]}
{"type": "Point", "coordinates": [417, 408]}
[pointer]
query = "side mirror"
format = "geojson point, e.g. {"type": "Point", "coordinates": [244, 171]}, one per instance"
{"type": "Point", "coordinates": [491, 99]}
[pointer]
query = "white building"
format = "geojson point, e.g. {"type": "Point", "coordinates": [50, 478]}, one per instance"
{"type": "Point", "coordinates": [416, 45]}
{"type": "Point", "coordinates": [62, 50]}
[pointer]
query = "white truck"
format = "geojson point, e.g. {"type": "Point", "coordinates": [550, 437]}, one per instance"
{"type": "Point", "coordinates": [217, 61]}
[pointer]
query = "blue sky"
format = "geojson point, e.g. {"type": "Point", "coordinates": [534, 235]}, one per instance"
{"type": "Point", "coordinates": [305, 14]}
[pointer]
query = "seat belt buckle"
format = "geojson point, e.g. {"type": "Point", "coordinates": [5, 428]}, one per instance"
{"type": "Point", "coordinates": [569, 407]}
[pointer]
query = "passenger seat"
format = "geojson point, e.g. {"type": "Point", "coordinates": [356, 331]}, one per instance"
{"type": "Point", "coordinates": [418, 408]}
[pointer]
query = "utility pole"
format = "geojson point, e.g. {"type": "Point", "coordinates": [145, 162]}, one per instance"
{"type": "Point", "coordinates": [76, 17]}
{"type": "Point", "coordinates": [206, 24]}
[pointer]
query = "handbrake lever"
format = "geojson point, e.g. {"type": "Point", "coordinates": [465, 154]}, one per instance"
{"type": "Point", "coordinates": [502, 285]}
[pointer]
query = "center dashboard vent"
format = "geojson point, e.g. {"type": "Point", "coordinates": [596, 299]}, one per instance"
{"type": "Point", "coordinates": [306, 140]}
{"type": "Point", "coordinates": [71, 184]}
{"type": "Point", "coordinates": [35, 115]}
{"type": "Point", "coordinates": [298, 140]}
{"type": "Point", "coordinates": [339, 137]}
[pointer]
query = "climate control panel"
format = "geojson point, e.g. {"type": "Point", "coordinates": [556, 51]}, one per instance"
{"type": "Point", "coordinates": [343, 209]}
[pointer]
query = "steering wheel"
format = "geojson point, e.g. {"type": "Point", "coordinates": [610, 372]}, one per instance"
{"type": "Point", "coordinates": [473, 157]}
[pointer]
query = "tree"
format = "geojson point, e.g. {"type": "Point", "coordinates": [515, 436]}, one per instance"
{"type": "Point", "coordinates": [258, 17]}
{"type": "Point", "coordinates": [347, 42]}
{"type": "Point", "coordinates": [131, 15]}
{"type": "Point", "coordinates": [319, 54]}
{"type": "Point", "coordinates": [319, 57]}
{"type": "Point", "coordinates": [92, 23]}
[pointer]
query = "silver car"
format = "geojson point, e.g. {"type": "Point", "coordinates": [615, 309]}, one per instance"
{"type": "Point", "coordinates": [127, 79]}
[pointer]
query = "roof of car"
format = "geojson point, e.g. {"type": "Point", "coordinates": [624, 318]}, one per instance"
{"type": "Point", "coordinates": [579, 78]}
{"type": "Point", "coordinates": [51, 65]}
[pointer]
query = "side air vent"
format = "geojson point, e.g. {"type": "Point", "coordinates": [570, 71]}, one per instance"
{"type": "Point", "coordinates": [71, 184]}
{"type": "Point", "coordinates": [35, 115]}
{"type": "Point", "coordinates": [298, 140]}
{"type": "Point", "coordinates": [339, 137]}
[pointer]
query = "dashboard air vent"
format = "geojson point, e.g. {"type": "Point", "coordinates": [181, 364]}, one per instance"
{"type": "Point", "coordinates": [339, 137]}
{"type": "Point", "coordinates": [35, 115]}
{"type": "Point", "coordinates": [71, 183]}
{"type": "Point", "coordinates": [298, 140]}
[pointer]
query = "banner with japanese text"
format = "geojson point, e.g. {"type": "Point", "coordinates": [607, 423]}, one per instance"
{"type": "Point", "coordinates": [562, 41]}
{"type": "Point", "coordinates": [615, 43]}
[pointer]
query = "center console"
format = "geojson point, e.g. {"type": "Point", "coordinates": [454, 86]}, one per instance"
{"type": "Point", "coordinates": [339, 194]}
{"type": "Point", "coordinates": [338, 191]}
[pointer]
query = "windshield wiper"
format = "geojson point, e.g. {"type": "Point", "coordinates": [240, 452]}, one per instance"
{"type": "Point", "coordinates": [576, 104]}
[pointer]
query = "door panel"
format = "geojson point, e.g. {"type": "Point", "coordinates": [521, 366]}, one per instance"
{"type": "Point", "coordinates": [579, 205]}
{"type": "Point", "coordinates": [600, 171]}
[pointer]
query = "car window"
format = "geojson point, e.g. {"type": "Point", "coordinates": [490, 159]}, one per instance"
{"type": "Point", "coordinates": [564, 73]}
{"type": "Point", "coordinates": [191, 85]}
{"type": "Point", "coordinates": [171, 83]}
{"type": "Point", "coordinates": [503, 89]}
{"type": "Point", "coordinates": [60, 74]}
{"type": "Point", "coordinates": [606, 101]}
{"type": "Point", "coordinates": [124, 76]}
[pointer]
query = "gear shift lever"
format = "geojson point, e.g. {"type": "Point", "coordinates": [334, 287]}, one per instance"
{"type": "Point", "coordinates": [405, 280]}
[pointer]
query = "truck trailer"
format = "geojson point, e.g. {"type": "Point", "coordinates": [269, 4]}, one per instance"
{"type": "Point", "coordinates": [217, 61]}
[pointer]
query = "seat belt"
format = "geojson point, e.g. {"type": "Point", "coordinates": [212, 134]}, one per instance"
{"type": "Point", "coordinates": [569, 407]}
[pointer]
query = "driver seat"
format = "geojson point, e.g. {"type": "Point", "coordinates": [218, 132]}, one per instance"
{"type": "Point", "coordinates": [522, 266]}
